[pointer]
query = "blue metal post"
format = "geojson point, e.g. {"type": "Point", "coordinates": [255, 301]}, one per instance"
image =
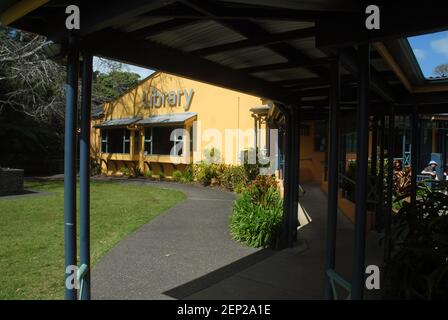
{"type": "Point", "coordinates": [84, 171]}
{"type": "Point", "coordinates": [71, 99]}
{"type": "Point", "coordinates": [333, 178]}
{"type": "Point", "coordinates": [358, 273]}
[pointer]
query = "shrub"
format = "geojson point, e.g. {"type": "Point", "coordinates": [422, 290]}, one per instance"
{"type": "Point", "coordinates": [187, 175]}
{"type": "Point", "coordinates": [205, 172]}
{"type": "Point", "coordinates": [95, 167]}
{"type": "Point", "coordinates": [256, 220]}
{"type": "Point", "coordinates": [418, 267]}
{"type": "Point", "coordinates": [261, 185]}
{"type": "Point", "coordinates": [125, 171]}
{"type": "Point", "coordinates": [177, 176]}
{"type": "Point", "coordinates": [232, 177]}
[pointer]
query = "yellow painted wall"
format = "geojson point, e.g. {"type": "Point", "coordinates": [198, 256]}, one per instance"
{"type": "Point", "coordinates": [311, 162]}
{"type": "Point", "coordinates": [216, 108]}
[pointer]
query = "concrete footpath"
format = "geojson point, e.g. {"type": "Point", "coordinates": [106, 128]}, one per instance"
{"type": "Point", "coordinates": [187, 253]}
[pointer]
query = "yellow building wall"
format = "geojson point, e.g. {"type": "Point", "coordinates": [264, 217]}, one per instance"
{"type": "Point", "coordinates": [217, 108]}
{"type": "Point", "coordinates": [311, 162]}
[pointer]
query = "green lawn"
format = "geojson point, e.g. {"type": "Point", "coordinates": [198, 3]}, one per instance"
{"type": "Point", "coordinates": [31, 232]}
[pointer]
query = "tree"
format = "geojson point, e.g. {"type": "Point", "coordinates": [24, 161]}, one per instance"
{"type": "Point", "coordinates": [108, 86]}
{"type": "Point", "coordinates": [30, 82]}
{"type": "Point", "coordinates": [441, 70]}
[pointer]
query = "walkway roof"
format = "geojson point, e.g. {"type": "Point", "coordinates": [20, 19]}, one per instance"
{"type": "Point", "coordinates": [276, 49]}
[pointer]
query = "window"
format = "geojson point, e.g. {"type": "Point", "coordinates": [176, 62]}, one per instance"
{"type": "Point", "coordinates": [148, 141]}
{"type": "Point", "coordinates": [320, 136]}
{"type": "Point", "coordinates": [115, 140]}
{"type": "Point", "coordinates": [159, 140]}
{"type": "Point", "coordinates": [350, 142]}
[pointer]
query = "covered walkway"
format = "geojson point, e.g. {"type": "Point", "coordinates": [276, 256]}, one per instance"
{"type": "Point", "coordinates": [187, 253]}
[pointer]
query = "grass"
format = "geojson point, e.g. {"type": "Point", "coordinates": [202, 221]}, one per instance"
{"type": "Point", "coordinates": [31, 232]}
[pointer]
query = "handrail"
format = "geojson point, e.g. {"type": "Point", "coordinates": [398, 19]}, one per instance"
{"type": "Point", "coordinates": [81, 274]}
{"type": "Point", "coordinates": [334, 278]}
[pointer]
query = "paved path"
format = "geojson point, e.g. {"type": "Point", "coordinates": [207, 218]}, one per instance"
{"type": "Point", "coordinates": [180, 245]}
{"type": "Point", "coordinates": [187, 253]}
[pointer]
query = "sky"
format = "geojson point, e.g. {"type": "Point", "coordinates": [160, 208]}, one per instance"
{"type": "Point", "coordinates": [430, 50]}
{"type": "Point", "coordinates": [126, 67]}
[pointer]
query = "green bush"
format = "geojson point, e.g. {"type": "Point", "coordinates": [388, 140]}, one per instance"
{"type": "Point", "coordinates": [177, 176]}
{"type": "Point", "coordinates": [256, 218]}
{"type": "Point", "coordinates": [232, 177]}
{"type": "Point", "coordinates": [204, 172]}
{"type": "Point", "coordinates": [125, 171]}
{"type": "Point", "coordinates": [418, 267]}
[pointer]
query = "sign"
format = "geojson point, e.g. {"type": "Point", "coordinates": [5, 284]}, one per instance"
{"type": "Point", "coordinates": [158, 99]}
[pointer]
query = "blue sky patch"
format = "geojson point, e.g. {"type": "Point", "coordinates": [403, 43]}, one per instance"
{"type": "Point", "coordinates": [430, 50]}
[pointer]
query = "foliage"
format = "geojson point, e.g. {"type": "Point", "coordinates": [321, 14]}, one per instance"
{"type": "Point", "coordinates": [187, 175]}
{"type": "Point", "coordinates": [232, 177]}
{"type": "Point", "coordinates": [95, 167]}
{"type": "Point", "coordinates": [125, 171]}
{"type": "Point", "coordinates": [418, 268]}
{"type": "Point", "coordinates": [402, 181]}
{"type": "Point", "coordinates": [32, 95]}
{"type": "Point", "coordinates": [108, 86]}
{"type": "Point", "coordinates": [441, 70]}
{"type": "Point", "coordinates": [250, 164]}
{"type": "Point", "coordinates": [177, 175]}
{"type": "Point", "coordinates": [30, 82]}
{"type": "Point", "coordinates": [256, 217]}
{"type": "Point", "coordinates": [204, 172]}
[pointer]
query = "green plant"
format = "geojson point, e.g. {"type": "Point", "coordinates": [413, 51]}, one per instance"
{"type": "Point", "coordinates": [205, 172]}
{"type": "Point", "coordinates": [125, 171]}
{"type": "Point", "coordinates": [232, 177]}
{"type": "Point", "coordinates": [161, 174]}
{"type": "Point", "coordinates": [187, 175]}
{"type": "Point", "coordinates": [177, 176]}
{"type": "Point", "coordinates": [255, 220]}
{"type": "Point", "coordinates": [95, 167]}
{"type": "Point", "coordinates": [418, 267]}
{"type": "Point", "coordinates": [148, 174]}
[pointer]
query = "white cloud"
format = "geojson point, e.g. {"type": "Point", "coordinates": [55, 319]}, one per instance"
{"type": "Point", "coordinates": [440, 46]}
{"type": "Point", "coordinates": [419, 54]}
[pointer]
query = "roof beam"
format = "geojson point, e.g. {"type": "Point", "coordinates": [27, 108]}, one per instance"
{"type": "Point", "coordinates": [162, 27]}
{"type": "Point", "coordinates": [288, 65]}
{"type": "Point", "coordinates": [122, 47]}
{"type": "Point", "coordinates": [418, 19]}
{"type": "Point", "coordinates": [257, 41]}
{"type": "Point", "coordinates": [100, 15]}
{"type": "Point", "coordinates": [249, 30]}
{"type": "Point", "coordinates": [257, 12]}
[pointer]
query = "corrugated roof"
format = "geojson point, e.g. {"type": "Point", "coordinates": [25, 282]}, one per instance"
{"type": "Point", "coordinates": [308, 47]}
{"type": "Point", "coordinates": [247, 57]}
{"type": "Point", "coordinates": [285, 74]}
{"type": "Point", "coordinates": [200, 35]}
{"type": "Point", "coordinates": [118, 122]}
{"type": "Point", "coordinates": [167, 118]}
{"type": "Point", "coordinates": [276, 26]}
